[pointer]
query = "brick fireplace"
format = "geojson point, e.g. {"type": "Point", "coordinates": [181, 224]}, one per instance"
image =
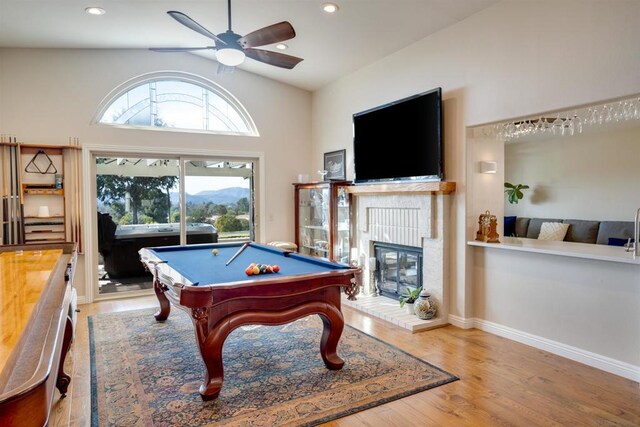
{"type": "Point", "coordinates": [408, 215]}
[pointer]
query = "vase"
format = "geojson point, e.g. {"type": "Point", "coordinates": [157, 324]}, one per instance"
{"type": "Point", "coordinates": [409, 307]}
{"type": "Point", "coordinates": [425, 307]}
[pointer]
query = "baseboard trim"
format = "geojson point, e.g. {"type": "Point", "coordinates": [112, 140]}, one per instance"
{"type": "Point", "coordinates": [462, 322]}
{"type": "Point", "coordinates": [82, 299]}
{"type": "Point", "coordinates": [594, 360]}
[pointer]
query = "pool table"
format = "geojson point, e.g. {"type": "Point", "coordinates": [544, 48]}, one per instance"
{"type": "Point", "coordinates": [220, 298]}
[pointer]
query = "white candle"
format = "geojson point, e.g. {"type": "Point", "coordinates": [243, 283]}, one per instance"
{"type": "Point", "coordinates": [354, 255]}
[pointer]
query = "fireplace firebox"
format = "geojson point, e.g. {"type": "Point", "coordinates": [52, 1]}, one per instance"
{"type": "Point", "coordinates": [398, 267]}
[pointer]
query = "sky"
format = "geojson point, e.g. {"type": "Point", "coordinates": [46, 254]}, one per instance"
{"type": "Point", "coordinates": [196, 184]}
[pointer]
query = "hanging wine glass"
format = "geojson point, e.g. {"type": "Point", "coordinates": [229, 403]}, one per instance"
{"type": "Point", "coordinates": [577, 123]}
{"type": "Point", "coordinates": [603, 114]}
{"type": "Point", "coordinates": [592, 116]}
{"type": "Point", "coordinates": [628, 109]}
{"type": "Point", "coordinates": [557, 125]}
{"type": "Point", "coordinates": [618, 113]}
{"type": "Point", "coordinates": [528, 127]}
{"type": "Point", "coordinates": [511, 130]}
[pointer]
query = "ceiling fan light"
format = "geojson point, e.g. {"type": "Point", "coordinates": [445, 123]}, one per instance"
{"type": "Point", "coordinates": [230, 56]}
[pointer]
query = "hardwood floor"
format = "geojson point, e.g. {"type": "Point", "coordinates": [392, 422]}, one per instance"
{"type": "Point", "coordinates": [501, 382]}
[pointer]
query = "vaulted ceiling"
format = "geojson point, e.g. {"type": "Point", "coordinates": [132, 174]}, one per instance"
{"type": "Point", "coordinates": [361, 32]}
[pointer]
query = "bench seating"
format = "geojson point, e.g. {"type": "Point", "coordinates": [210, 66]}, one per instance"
{"type": "Point", "coordinates": [581, 231]}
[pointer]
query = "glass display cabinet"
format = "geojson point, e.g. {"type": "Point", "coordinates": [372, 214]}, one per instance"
{"type": "Point", "coordinates": [322, 219]}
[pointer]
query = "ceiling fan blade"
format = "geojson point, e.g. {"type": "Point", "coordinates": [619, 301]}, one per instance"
{"type": "Point", "coordinates": [180, 49]}
{"type": "Point", "coordinates": [193, 25]}
{"type": "Point", "coordinates": [273, 58]}
{"type": "Point", "coordinates": [272, 34]}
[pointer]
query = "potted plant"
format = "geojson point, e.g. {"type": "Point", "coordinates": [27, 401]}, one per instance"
{"type": "Point", "coordinates": [514, 192]}
{"type": "Point", "coordinates": [410, 298]}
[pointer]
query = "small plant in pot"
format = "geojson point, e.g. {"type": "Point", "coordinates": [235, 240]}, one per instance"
{"type": "Point", "coordinates": [514, 192]}
{"type": "Point", "coordinates": [411, 297]}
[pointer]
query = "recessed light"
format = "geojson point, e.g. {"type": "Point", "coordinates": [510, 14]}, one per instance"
{"type": "Point", "coordinates": [330, 7]}
{"type": "Point", "coordinates": [94, 10]}
{"type": "Point", "coordinates": [281, 46]}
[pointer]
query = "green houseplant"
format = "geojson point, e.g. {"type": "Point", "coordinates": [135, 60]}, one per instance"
{"type": "Point", "coordinates": [411, 296]}
{"type": "Point", "coordinates": [514, 192]}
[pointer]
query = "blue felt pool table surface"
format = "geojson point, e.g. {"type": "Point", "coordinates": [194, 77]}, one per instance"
{"type": "Point", "coordinates": [201, 267]}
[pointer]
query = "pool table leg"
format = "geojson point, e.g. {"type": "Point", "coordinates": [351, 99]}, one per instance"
{"type": "Point", "coordinates": [210, 343]}
{"type": "Point", "coordinates": [331, 333]}
{"type": "Point", "coordinates": [165, 306]}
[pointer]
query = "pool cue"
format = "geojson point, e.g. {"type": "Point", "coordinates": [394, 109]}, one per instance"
{"type": "Point", "coordinates": [70, 187]}
{"type": "Point", "coordinates": [78, 193]}
{"type": "Point", "coordinates": [17, 206]}
{"type": "Point", "coordinates": [78, 211]}
{"type": "Point", "coordinates": [245, 246]}
{"type": "Point", "coordinates": [3, 183]}
{"type": "Point", "coordinates": [11, 196]}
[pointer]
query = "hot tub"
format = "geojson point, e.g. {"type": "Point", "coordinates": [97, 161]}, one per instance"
{"type": "Point", "coordinates": [122, 259]}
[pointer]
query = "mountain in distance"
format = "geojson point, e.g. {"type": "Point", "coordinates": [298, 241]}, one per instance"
{"type": "Point", "coordinates": [225, 196]}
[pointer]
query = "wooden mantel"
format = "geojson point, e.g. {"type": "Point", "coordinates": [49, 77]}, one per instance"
{"type": "Point", "coordinates": [403, 188]}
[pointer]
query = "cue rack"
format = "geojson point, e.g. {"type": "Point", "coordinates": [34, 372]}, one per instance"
{"type": "Point", "coordinates": [12, 168]}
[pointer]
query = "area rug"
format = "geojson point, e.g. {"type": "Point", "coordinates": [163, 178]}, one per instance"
{"type": "Point", "coordinates": [147, 373]}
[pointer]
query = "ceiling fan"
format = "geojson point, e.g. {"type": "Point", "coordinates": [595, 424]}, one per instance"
{"type": "Point", "coordinates": [232, 48]}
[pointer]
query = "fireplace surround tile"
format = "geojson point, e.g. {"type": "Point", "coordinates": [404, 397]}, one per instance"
{"type": "Point", "coordinates": [406, 218]}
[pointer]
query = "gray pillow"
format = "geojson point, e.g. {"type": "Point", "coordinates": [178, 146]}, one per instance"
{"type": "Point", "coordinates": [619, 229]}
{"type": "Point", "coordinates": [522, 224]}
{"type": "Point", "coordinates": [581, 231]}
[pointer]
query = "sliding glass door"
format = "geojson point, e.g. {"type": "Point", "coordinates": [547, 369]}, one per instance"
{"type": "Point", "coordinates": [136, 208]}
{"type": "Point", "coordinates": [220, 192]}
{"type": "Point", "coordinates": [150, 201]}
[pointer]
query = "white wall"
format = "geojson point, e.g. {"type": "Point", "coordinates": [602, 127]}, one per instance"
{"type": "Point", "coordinates": [49, 95]}
{"type": "Point", "coordinates": [589, 176]}
{"type": "Point", "coordinates": [515, 59]}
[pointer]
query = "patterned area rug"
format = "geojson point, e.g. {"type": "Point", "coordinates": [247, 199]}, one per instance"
{"type": "Point", "coordinates": [145, 373]}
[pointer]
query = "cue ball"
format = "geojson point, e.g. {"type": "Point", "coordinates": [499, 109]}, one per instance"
{"type": "Point", "coordinates": [215, 252]}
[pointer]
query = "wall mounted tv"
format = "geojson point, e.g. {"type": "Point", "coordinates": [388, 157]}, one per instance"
{"type": "Point", "coordinates": [400, 141]}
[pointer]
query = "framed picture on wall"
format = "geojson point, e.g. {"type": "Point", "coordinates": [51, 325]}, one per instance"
{"type": "Point", "coordinates": [334, 164]}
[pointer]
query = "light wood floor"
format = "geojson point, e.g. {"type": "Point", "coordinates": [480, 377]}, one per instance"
{"type": "Point", "coordinates": [501, 382]}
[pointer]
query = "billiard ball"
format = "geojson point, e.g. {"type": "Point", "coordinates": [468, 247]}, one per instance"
{"type": "Point", "coordinates": [214, 252]}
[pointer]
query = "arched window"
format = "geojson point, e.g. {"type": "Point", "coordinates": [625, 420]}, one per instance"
{"type": "Point", "coordinates": [176, 101]}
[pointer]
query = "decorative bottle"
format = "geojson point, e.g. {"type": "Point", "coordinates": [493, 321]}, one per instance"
{"type": "Point", "coordinates": [425, 307]}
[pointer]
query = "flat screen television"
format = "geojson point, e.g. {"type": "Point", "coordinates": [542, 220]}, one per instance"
{"type": "Point", "coordinates": [400, 141]}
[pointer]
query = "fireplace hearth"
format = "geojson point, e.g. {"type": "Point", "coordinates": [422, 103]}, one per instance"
{"type": "Point", "coordinates": [398, 269]}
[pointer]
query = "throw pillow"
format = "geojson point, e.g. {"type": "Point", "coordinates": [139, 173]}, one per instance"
{"type": "Point", "coordinates": [509, 226]}
{"type": "Point", "coordinates": [553, 231]}
{"type": "Point", "coordinates": [618, 241]}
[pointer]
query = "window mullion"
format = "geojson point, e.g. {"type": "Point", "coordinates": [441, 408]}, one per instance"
{"type": "Point", "coordinates": [153, 104]}
{"type": "Point", "coordinates": [205, 108]}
